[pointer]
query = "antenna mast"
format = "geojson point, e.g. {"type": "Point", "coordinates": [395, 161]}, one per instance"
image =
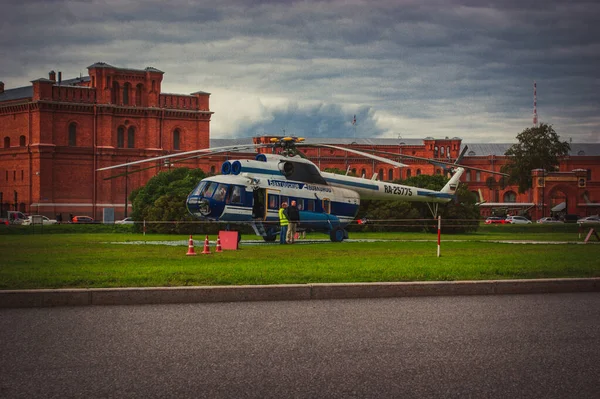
{"type": "Point", "coordinates": [535, 116]}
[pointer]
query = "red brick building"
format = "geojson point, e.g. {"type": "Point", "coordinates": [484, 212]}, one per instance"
{"type": "Point", "coordinates": [56, 133]}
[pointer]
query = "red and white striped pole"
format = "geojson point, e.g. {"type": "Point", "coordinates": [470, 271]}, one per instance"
{"type": "Point", "coordinates": [439, 234]}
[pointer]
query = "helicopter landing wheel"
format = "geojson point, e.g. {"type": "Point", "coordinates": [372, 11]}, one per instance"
{"type": "Point", "coordinates": [337, 234]}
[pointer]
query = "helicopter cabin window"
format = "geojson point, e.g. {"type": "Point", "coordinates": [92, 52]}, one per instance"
{"type": "Point", "coordinates": [326, 205]}
{"type": "Point", "coordinates": [236, 195]}
{"type": "Point", "coordinates": [273, 201]}
{"type": "Point", "coordinates": [310, 205]}
{"type": "Point", "coordinates": [219, 194]}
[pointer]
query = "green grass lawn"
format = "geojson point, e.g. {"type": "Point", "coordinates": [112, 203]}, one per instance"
{"type": "Point", "coordinates": [32, 261]}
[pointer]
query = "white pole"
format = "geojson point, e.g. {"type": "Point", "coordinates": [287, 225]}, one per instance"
{"type": "Point", "coordinates": [439, 233]}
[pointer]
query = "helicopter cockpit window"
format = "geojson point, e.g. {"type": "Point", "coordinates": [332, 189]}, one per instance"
{"type": "Point", "coordinates": [199, 189]}
{"type": "Point", "coordinates": [235, 195]}
{"type": "Point", "coordinates": [209, 189]}
{"type": "Point", "coordinates": [219, 194]}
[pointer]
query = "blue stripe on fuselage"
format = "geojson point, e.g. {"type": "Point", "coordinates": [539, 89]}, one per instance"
{"type": "Point", "coordinates": [435, 194]}
{"type": "Point", "coordinates": [353, 184]}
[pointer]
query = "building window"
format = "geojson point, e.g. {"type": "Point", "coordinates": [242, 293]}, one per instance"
{"type": "Point", "coordinates": [510, 196]}
{"type": "Point", "coordinates": [7, 142]}
{"type": "Point", "coordinates": [114, 96]}
{"type": "Point", "coordinates": [107, 82]}
{"type": "Point", "coordinates": [391, 174]}
{"type": "Point", "coordinates": [138, 94]}
{"type": "Point", "coordinates": [121, 137]}
{"type": "Point", "coordinates": [22, 175]}
{"type": "Point", "coordinates": [380, 174]}
{"type": "Point", "coordinates": [589, 174]}
{"type": "Point", "coordinates": [212, 170]}
{"type": "Point", "coordinates": [418, 172]}
{"type": "Point", "coordinates": [22, 141]}
{"type": "Point", "coordinates": [468, 175]}
{"type": "Point", "coordinates": [73, 134]}
{"type": "Point", "coordinates": [408, 173]}
{"type": "Point", "coordinates": [131, 137]}
{"type": "Point", "coordinates": [478, 176]}
{"type": "Point", "coordinates": [438, 171]}
{"type": "Point", "coordinates": [126, 89]}
{"type": "Point", "coordinates": [363, 173]}
{"type": "Point", "coordinates": [176, 139]}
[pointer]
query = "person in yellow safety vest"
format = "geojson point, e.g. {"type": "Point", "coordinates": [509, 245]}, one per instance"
{"type": "Point", "coordinates": [283, 222]}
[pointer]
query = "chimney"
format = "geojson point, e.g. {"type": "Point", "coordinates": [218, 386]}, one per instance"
{"type": "Point", "coordinates": [1, 87]}
{"type": "Point", "coordinates": [52, 76]}
{"type": "Point", "coordinates": [59, 77]}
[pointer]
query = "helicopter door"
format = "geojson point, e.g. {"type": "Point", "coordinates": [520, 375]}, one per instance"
{"type": "Point", "coordinates": [259, 210]}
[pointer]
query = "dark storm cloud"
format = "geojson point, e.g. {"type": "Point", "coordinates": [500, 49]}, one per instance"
{"type": "Point", "coordinates": [415, 68]}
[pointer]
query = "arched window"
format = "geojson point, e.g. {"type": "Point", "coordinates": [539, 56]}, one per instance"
{"type": "Point", "coordinates": [442, 151]}
{"type": "Point", "coordinates": [363, 173]}
{"type": "Point", "coordinates": [131, 137]}
{"type": "Point", "coordinates": [126, 90]}
{"type": "Point", "coordinates": [448, 151]}
{"type": "Point", "coordinates": [391, 174]}
{"type": "Point", "coordinates": [468, 175]}
{"type": "Point", "coordinates": [510, 196]}
{"type": "Point", "coordinates": [212, 170]}
{"type": "Point", "coordinates": [138, 94]}
{"type": "Point", "coordinates": [121, 137]}
{"type": "Point", "coordinates": [114, 96]}
{"type": "Point", "coordinates": [176, 139]}
{"type": "Point", "coordinates": [418, 172]}
{"type": "Point", "coordinates": [72, 134]}
{"type": "Point", "coordinates": [353, 171]}
{"type": "Point", "coordinates": [22, 141]}
{"type": "Point", "coordinates": [380, 174]}
{"type": "Point", "coordinates": [435, 152]}
{"type": "Point", "coordinates": [438, 171]}
{"type": "Point", "coordinates": [7, 142]}
{"type": "Point", "coordinates": [478, 176]}
{"type": "Point", "coordinates": [408, 173]}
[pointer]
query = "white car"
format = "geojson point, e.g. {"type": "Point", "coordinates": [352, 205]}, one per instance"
{"type": "Point", "coordinates": [549, 220]}
{"type": "Point", "coordinates": [45, 220]}
{"type": "Point", "coordinates": [589, 219]}
{"type": "Point", "coordinates": [517, 220]}
{"type": "Point", "coordinates": [128, 220]}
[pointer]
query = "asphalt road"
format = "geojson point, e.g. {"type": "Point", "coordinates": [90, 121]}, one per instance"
{"type": "Point", "coordinates": [509, 346]}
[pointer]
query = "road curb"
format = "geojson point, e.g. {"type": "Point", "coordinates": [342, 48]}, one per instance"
{"type": "Point", "coordinates": [291, 292]}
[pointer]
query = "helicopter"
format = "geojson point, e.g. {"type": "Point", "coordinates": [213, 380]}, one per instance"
{"type": "Point", "coordinates": [251, 191]}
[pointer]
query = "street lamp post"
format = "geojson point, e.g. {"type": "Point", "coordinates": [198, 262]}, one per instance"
{"type": "Point", "coordinates": [126, 180]}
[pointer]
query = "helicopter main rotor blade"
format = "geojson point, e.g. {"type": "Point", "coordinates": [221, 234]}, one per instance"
{"type": "Point", "coordinates": [435, 161]}
{"type": "Point", "coordinates": [209, 151]}
{"type": "Point", "coordinates": [364, 154]}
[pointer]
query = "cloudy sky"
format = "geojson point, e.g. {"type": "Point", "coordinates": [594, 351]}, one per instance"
{"type": "Point", "coordinates": [405, 68]}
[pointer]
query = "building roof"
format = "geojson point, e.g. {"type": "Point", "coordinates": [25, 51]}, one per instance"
{"type": "Point", "coordinates": [105, 65]}
{"type": "Point", "coordinates": [17, 93]}
{"type": "Point", "coordinates": [475, 149]}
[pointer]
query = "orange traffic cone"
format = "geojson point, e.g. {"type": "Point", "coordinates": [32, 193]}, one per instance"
{"type": "Point", "coordinates": [206, 248]}
{"type": "Point", "coordinates": [219, 249]}
{"type": "Point", "coordinates": [191, 247]}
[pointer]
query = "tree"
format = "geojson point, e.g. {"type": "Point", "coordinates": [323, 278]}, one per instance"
{"type": "Point", "coordinates": [538, 148]}
{"type": "Point", "coordinates": [163, 199]}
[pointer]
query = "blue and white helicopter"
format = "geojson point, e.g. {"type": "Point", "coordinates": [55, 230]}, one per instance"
{"type": "Point", "coordinates": [251, 190]}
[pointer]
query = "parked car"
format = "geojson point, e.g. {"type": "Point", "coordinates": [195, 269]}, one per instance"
{"type": "Point", "coordinates": [82, 219]}
{"type": "Point", "coordinates": [517, 220]}
{"type": "Point", "coordinates": [128, 220]}
{"type": "Point", "coordinates": [45, 220]}
{"type": "Point", "coordinates": [589, 219]}
{"type": "Point", "coordinates": [548, 219]}
{"type": "Point", "coordinates": [494, 220]}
